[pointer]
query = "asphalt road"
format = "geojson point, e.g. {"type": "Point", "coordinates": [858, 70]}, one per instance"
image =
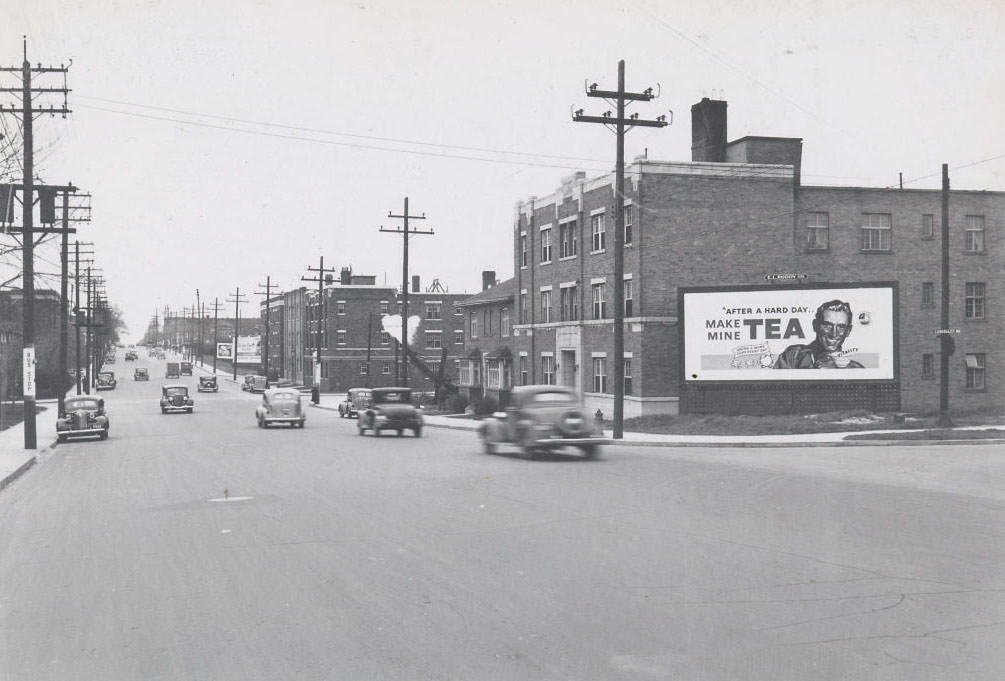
{"type": "Point", "coordinates": [202, 547]}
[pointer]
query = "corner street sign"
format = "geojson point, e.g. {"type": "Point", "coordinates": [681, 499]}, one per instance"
{"type": "Point", "coordinates": [29, 372]}
{"type": "Point", "coordinates": [783, 276]}
{"type": "Point", "coordinates": [945, 332]}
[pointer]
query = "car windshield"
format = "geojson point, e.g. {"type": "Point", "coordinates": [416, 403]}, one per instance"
{"type": "Point", "coordinates": [208, 379]}
{"type": "Point", "coordinates": [170, 392]}
{"type": "Point", "coordinates": [396, 396]}
{"type": "Point", "coordinates": [284, 397]}
{"type": "Point", "coordinates": [81, 403]}
{"type": "Point", "coordinates": [551, 397]}
{"type": "Point", "coordinates": [106, 374]}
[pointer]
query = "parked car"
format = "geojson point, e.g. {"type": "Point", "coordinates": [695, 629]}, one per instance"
{"type": "Point", "coordinates": [356, 400]}
{"type": "Point", "coordinates": [543, 418]}
{"type": "Point", "coordinates": [280, 405]}
{"type": "Point", "coordinates": [172, 370]}
{"type": "Point", "coordinates": [106, 381]}
{"type": "Point", "coordinates": [141, 374]}
{"type": "Point", "coordinates": [174, 398]}
{"type": "Point", "coordinates": [208, 384]}
{"type": "Point", "coordinates": [82, 416]}
{"type": "Point", "coordinates": [390, 409]}
{"type": "Point", "coordinates": [186, 368]}
{"type": "Point", "coordinates": [131, 356]}
{"type": "Point", "coordinates": [254, 383]}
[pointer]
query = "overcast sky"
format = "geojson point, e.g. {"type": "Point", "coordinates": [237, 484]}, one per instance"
{"type": "Point", "coordinates": [224, 141]}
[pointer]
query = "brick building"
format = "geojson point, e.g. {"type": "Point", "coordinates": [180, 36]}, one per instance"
{"type": "Point", "coordinates": [487, 367]}
{"type": "Point", "coordinates": [732, 217]}
{"type": "Point", "coordinates": [47, 329]}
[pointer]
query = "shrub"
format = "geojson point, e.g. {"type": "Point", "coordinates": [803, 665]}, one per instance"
{"type": "Point", "coordinates": [456, 404]}
{"type": "Point", "coordinates": [486, 405]}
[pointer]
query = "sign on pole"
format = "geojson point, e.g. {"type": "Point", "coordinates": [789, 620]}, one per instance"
{"type": "Point", "coordinates": [29, 372]}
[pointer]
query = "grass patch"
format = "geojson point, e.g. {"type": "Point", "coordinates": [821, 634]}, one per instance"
{"type": "Point", "coordinates": [938, 434]}
{"type": "Point", "coordinates": [12, 414]}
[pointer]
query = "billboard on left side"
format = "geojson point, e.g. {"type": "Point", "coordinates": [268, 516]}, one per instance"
{"type": "Point", "coordinates": [225, 351]}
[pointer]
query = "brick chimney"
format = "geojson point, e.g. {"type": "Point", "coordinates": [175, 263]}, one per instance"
{"type": "Point", "coordinates": [488, 279]}
{"type": "Point", "coordinates": [415, 283]}
{"type": "Point", "coordinates": [708, 130]}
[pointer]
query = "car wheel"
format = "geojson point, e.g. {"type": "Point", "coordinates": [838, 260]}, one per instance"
{"type": "Point", "coordinates": [61, 438]}
{"type": "Point", "coordinates": [417, 432]}
{"type": "Point", "coordinates": [163, 410]}
{"type": "Point", "coordinates": [590, 451]}
{"type": "Point", "coordinates": [490, 447]}
{"type": "Point", "coordinates": [400, 432]}
{"type": "Point", "coordinates": [376, 432]}
{"type": "Point", "coordinates": [103, 435]}
{"type": "Point", "coordinates": [189, 410]}
{"type": "Point", "coordinates": [360, 430]}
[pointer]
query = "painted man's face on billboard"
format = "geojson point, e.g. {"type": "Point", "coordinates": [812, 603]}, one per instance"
{"type": "Point", "coordinates": [832, 328]}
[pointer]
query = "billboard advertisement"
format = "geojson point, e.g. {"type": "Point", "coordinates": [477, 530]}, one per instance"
{"type": "Point", "coordinates": [249, 350]}
{"type": "Point", "coordinates": [771, 333]}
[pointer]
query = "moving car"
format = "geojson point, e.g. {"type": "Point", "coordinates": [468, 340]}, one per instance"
{"type": "Point", "coordinates": [208, 384]}
{"type": "Point", "coordinates": [141, 374]}
{"type": "Point", "coordinates": [172, 370]}
{"type": "Point", "coordinates": [186, 368]}
{"type": "Point", "coordinates": [280, 405]}
{"type": "Point", "coordinates": [254, 383]}
{"type": "Point", "coordinates": [356, 400]}
{"type": "Point", "coordinates": [82, 416]}
{"type": "Point", "coordinates": [131, 356]}
{"type": "Point", "coordinates": [390, 409]}
{"type": "Point", "coordinates": [174, 398]}
{"type": "Point", "coordinates": [106, 381]}
{"type": "Point", "coordinates": [543, 418]}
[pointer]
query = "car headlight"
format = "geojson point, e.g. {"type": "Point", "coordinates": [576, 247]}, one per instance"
{"type": "Point", "coordinates": [381, 417]}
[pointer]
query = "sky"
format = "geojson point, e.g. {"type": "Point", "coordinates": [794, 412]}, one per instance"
{"type": "Point", "coordinates": [227, 141]}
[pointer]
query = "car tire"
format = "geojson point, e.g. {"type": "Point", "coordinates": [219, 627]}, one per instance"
{"type": "Point", "coordinates": [400, 432]}
{"type": "Point", "coordinates": [417, 432]}
{"type": "Point", "coordinates": [163, 410]}
{"type": "Point", "coordinates": [189, 410]}
{"type": "Point", "coordinates": [61, 438]}
{"type": "Point", "coordinates": [590, 451]}
{"type": "Point", "coordinates": [360, 430]}
{"type": "Point", "coordinates": [103, 435]}
{"type": "Point", "coordinates": [376, 432]}
{"type": "Point", "coordinates": [489, 446]}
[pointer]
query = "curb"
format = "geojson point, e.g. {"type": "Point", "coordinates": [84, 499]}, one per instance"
{"type": "Point", "coordinates": [14, 475]}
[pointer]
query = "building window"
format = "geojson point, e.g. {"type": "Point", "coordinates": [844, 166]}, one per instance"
{"type": "Point", "coordinates": [476, 372]}
{"type": "Point", "coordinates": [875, 232]}
{"type": "Point", "coordinates": [473, 325]}
{"type": "Point", "coordinates": [548, 370]}
{"type": "Point", "coordinates": [597, 229]}
{"type": "Point", "coordinates": [364, 368]}
{"type": "Point", "coordinates": [545, 306]}
{"type": "Point", "coordinates": [975, 234]}
{"type": "Point", "coordinates": [523, 250]}
{"type": "Point", "coordinates": [818, 231]}
{"type": "Point", "coordinates": [600, 374]}
{"type": "Point", "coordinates": [504, 325]}
{"type": "Point", "coordinates": [340, 307]}
{"type": "Point", "coordinates": [599, 302]}
{"type": "Point", "coordinates": [524, 318]}
{"type": "Point", "coordinates": [384, 307]}
{"type": "Point", "coordinates": [927, 226]}
{"type": "Point", "coordinates": [973, 307]}
{"type": "Point", "coordinates": [546, 245]}
{"type": "Point", "coordinates": [975, 371]}
{"type": "Point", "coordinates": [628, 297]}
{"type": "Point", "coordinates": [523, 370]}
{"type": "Point", "coordinates": [385, 368]}
{"type": "Point", "coordinates": [487, 328]}
{"type": "Point", "coordinates": [567, 239]}
{"type": "Point", "coordinates": [493, 376]}
{"type": "Point", "coordinates": [569, 301]}
{"type": "Point", "coordinates": [434, 340]}
{"type": "Point", "coordinates": [340, 336]}
{"type": "Point", "coordinates": [385, 338]}
{"type": "Point", "coordinates": [628, 375]}
{"type": "Point", "coordinates": [629, 231]}
{"type": "Point", "coordinates": [927, 294]}
{"type": "Point", "coordinates": [928, 365]}
{"type": "Point", "coordinates": [433, 310]}
{"type": "Point", "coordinates": [458, 336]}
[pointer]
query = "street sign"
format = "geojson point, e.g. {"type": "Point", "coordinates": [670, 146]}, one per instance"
{"type": "Point", "coordinates": [945, 332]}
{"type": "Point", "coordinates": [784, 276]}
{"type": "Point", "coordinates": [29, 372]}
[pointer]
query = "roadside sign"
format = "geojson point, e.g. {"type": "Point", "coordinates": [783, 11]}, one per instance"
{"type": "Point", "coordinates": [784, 277]}
{"type": "Point", "coordinates": [29, 372]}
{"type": "Point", "coordinates": [945, 332]}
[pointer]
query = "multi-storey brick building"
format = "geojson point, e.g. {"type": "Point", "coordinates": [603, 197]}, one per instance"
{"type": "Point", "coordinates": [736, 216]}
{"type": "Point", "coordinates": [486, 369]}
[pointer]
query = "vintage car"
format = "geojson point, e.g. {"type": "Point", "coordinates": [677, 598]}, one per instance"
{"type": "Point", "coordinates": [356, 400]}
{"type": "Point", "coordinates": [543, 418]}
{"type": "Point", "coordinates": [82, 416]}
{"type": "Point", "coordinates": [254, 383]}
{"type": "Point", "coordinates": [280, 405]}
{"type": "Point", "coordinates": [208, 384]}
{"type": "Point", "coordinates": [141, 374]}
{"type": "Point", "coordinates": [172, 370]}
{"type": "Point", "coordinates": [174, 398]}
{"type": "Point", "coordinates": [131, 356]}
{"type": "Point", "coordinates": [186, 368]}
{"type": "Point", "coordinates": [390, 409]}
{"type": "Point", "coordinates": [106, 381]}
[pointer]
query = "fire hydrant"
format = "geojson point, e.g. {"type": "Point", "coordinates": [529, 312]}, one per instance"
{"type": "Point", "coordinates": [599, 418]}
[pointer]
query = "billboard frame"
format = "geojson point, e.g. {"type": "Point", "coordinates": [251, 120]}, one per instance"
{"type": "Point", "coordinates": [689, 384]}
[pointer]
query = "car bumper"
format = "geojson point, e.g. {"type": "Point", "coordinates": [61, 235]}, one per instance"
{"type": "Point", "coordinates": [207, 390]}
{"type": "Point", "coordinates": [171, 407]}
{"type": "Point", "coordinates": [81, 432]}
{"type": "Point", "coordinates": [284, 419]}
{"type": "Point", "coordinates": [570, 441]}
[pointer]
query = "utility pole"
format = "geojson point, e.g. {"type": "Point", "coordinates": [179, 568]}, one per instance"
{"type": "Point", "coordinates": [216, 328]}
{"type": "Point", "coordinates": [618, 124]}
{"type": "Point", "coordinates": [268, 305]}
{"type": "Point", "coordinates": [405, 232]}
{"type": "Point", "coordinates": [324, 276]}
{"type": "Point", "coordinates": [77, 323]}
{"type": "Point", "coordinates": [28, 111]}
{"type": "Point", "coordinates": [198, 306]}
{"type": "Point", "coordinates": [237, 299]}
{"type": "Point", "coordinates": [947, 344]}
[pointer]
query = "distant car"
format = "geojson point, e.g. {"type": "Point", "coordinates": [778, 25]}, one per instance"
{"type": "Point", "coordinates": [131, 356]}
{"type": "Point", "coordinates": [280, 405]}
{"type": "Point", "coordinates": [356, 400]}
{"type": "Point", "coordinates": [390, 409]}
{"type": "Point", "coordinates": [106, 381]}
{"type": "Point", "coordinates": [82, 416]}
{"type": "Point", "coordinates": [254, 383]}
{"type": "Point", "coordinates": [141, 374]}
{"type": "Point", "coordinates": [172, 370]}
{"type": "Point", "coordinates": [543, 418]}
{"type": "Point", "coordinates": [186, 368]}
{"type": "Point", "coordinates": [208, 384]}
{"type": "Point", "coordinates": [174, 398]}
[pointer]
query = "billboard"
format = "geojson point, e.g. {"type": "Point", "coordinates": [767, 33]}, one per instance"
{"type": "Point", "coordinates": [826, 332]}
{"type": "Point", "coordinates": [249, 350]}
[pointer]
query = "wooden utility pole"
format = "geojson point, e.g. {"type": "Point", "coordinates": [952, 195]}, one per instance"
{"type": "Point", "coordinates": [268, 305]}
{"type": "Point", "coordinates": [216, 328]}
{"type": "Point", "coordinates": [324, 276]}
{"type": "Point", "coordinates": [28, 111]}
{"type": "Point", "coordinates": [237, 299]}
{"type": "Point", "coordinates": [405, 233]}
{"type": "Point", "coordinates": [947, 344]}
{"type": "Point", "coordinates": [618, 125]}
